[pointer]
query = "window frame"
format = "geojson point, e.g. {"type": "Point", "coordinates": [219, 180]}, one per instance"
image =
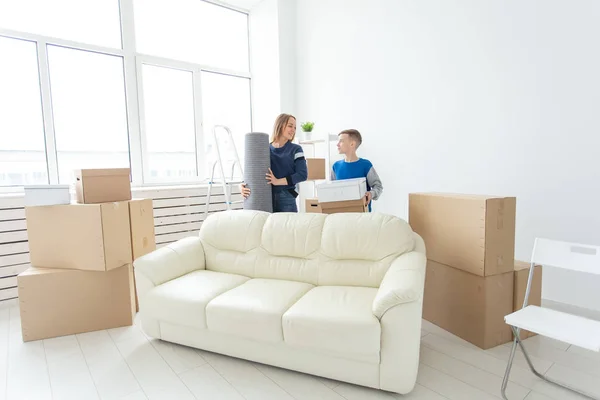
{"type": "Point", "coordinates": [133, 88]}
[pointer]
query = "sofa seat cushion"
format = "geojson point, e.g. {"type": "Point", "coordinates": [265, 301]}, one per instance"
{"type": "Point", "coordinates": [254, 310]}
{"type": "Point", "coordinates": [335, 319]}
{"type": "Point", "coordinates": [183, 300]}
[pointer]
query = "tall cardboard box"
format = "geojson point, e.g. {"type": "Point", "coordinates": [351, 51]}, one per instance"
{"type": "Point", "coordinates": [469, 306]}
{"type": "Point", "coordinates": [316, 168]}
{"type": "Point", "coordinates": [94, 186]}
{"type": "Point", "coordinates": [472, 233]}
{"type": "Point", "coordinates": [58, 302]}
{"type": "Point", "coordinates": [143, 239]}
{"type": "Point", "coordinates": [92, 237]}
{"type": "Point", "coordinates": [520, 287]}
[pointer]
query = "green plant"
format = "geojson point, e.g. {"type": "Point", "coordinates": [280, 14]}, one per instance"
{"type": "Point", "coordinates": [307, 126]}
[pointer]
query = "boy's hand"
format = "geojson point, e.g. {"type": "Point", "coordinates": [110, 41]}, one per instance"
{"type": "Point", "coordinates": [274, 181]}
{"type": "Point", "coordinates": [368, 198]}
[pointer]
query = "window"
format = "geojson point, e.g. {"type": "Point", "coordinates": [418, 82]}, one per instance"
{"type": "Point", "coordinates": [225, 101]}
{"type": "Point", "coordinates": [94, 22]}
{"type": "Point", "coordinates": [88, 103]}
{"type": "Point", "coordinates": [193, 31]}
{"type": "Point", "coordinates": [119, 83]}
{"type": "Point", "coordinates": [169, 123]}
{"type": "Point", "coordinates": [22, 145]}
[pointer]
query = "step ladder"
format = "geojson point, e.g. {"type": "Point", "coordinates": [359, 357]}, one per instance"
{"type": "Point", "coordinates": [223, 133]}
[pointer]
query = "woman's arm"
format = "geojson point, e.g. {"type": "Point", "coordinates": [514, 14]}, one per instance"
{"type": "Point", "coordinates": [300, 173]}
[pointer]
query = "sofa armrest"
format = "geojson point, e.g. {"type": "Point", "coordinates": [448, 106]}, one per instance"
{"type": "Point", "coordinates": [167, 263]}
{"type": "Point", "coordinates": [403, 282]}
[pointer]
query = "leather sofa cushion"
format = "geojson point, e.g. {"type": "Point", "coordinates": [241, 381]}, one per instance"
{"type": "Point", "coordinates": [183, 300]}
{"type": "Point", "coordinates": [254, 310]}
{"type": "Point", "coordinates": [335, 319]}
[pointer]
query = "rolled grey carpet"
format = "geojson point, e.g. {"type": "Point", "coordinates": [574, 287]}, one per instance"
{"type": "Point", "coordinates": [257, 162]}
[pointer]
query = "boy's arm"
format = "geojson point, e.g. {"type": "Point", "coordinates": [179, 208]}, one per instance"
{"type": "Point", "coordinates": [375, 183]}
{"type": "Point", "coordinates": [332, 174]}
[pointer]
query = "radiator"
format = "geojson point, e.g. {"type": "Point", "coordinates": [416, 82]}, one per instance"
{"type": "Point", "coordinates": [178, 213]}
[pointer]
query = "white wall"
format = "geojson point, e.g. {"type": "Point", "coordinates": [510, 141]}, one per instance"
{"type": "Point", "coordinates": [272, 61]}
{"type": "Point", "coordinates": [264, 64]}
{"type": "Point", "coordinates": [494, 97]}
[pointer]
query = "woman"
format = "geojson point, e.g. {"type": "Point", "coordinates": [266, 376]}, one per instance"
{"type": "Point", "coordinates": [288, 165]}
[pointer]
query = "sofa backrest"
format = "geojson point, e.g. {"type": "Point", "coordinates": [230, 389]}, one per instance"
{"type": "Point", "coordinates": [338, 249]}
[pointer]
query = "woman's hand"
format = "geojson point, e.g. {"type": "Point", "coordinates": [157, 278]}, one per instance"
{"type": "Point", "coordinates": [274, 181]}
{"type": "Point", "coordinates": [245, 190]}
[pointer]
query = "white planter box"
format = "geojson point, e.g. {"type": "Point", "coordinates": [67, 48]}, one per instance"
{"type": "Point", "coordinates": [47, 195]}
{"type": "Point", "coordinates": [342, 190]}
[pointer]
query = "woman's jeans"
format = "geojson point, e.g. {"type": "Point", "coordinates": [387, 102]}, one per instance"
{"type": "Point", "coordinates": [284, 201]}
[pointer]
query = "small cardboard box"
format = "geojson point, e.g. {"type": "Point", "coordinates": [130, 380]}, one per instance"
{"type": "Point", "coordinates": [46, 195]}
{"type": "Point", "coordinates": [349, 206]}
{"type": "Point", "coordinates": [58, 302]}
{"type": "Point", "coordinates": [92, 237]}
{"type": "Point", "coordinates": [341, 190]}
{"type": "Point", "coordinates": [143, 239]}
{"type": "Point", "coordinates": [95, 186]}
{"type": "Point", "coordinates": [316, 168]}
{"type": "Point", "coordinates": [313, 206]}
{"type": "Point", "coordinates": [535, 295]}
{"type": "Point", "coordinates": [469, 306]}
{"type": "Point", "coordinates": [472, 233]}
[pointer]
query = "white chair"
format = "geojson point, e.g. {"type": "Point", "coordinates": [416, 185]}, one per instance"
{"type": "Point", "coordinates": [568, 328]}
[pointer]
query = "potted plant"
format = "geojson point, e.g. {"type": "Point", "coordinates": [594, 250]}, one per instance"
{"type": "Point", "coordinates": [307, 128]}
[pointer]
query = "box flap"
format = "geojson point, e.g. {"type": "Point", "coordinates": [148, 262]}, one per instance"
{"type": "Point", "coordinates": [102, 172]}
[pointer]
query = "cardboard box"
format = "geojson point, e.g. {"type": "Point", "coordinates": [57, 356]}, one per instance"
{"type": "Point", "coordinates": [143, 239]}
{"type": "Point", "coordinates": [46, 195]}
{"type": "Point", "coordinates": [349, 206]}
{"type": "Point", "coordinates": [520, 287]}
{"type": "Point", "coordinates": [58, 302]}
{"type": "Point", "coordinates": [93, 237]}
{"type": "Point", "coordinates": [342, 190]}
{"type": "Point", "coordinates": [312, 206]}
{"type": "Point", "coordinates": [334, 207]}
{"type": "Point", "coordinates": [469, 306]}
{"type": "Point", "coordinates": [316, 168]}
{"type": "Point", "coordinates": [472, 233]}
{"type": "Point", "coordinates": [95, 186]}
{"type": "Point", "coordinates": [141, 221]}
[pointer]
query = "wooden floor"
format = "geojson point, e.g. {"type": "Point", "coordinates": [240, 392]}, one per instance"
{"type": "Point", "coordinates": [124, 364]}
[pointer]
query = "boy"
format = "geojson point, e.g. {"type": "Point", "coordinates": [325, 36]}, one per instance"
{"type": "Point", "coordinates": [352, 166]}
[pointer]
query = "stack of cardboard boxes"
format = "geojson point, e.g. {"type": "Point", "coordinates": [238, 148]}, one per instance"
{"type": "Point", "coordinates": [471, 281]}
{"type": "Point", "coordinates": [81, 277]}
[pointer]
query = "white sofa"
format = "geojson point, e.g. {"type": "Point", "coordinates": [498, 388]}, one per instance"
{"type": "Point", "coordinates": [338, 296]}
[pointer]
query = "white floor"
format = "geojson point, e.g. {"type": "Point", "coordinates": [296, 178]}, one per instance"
{"type": "Point", "coordinates": [124, 364]}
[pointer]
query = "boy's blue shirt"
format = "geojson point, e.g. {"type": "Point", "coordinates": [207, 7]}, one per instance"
{"type": "Point", "coordinates": [351, 170]}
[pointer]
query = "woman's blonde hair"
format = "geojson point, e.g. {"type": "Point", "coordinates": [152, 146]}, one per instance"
{"type": "Point", "coordinates": [280, 124]}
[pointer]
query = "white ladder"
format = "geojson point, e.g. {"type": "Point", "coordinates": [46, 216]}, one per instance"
{"type": "Point", "coordinates": [224, 182]}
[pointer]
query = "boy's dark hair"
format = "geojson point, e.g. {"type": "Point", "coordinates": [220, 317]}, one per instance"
{"type": "Point", "coordinates": [353, 134]}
